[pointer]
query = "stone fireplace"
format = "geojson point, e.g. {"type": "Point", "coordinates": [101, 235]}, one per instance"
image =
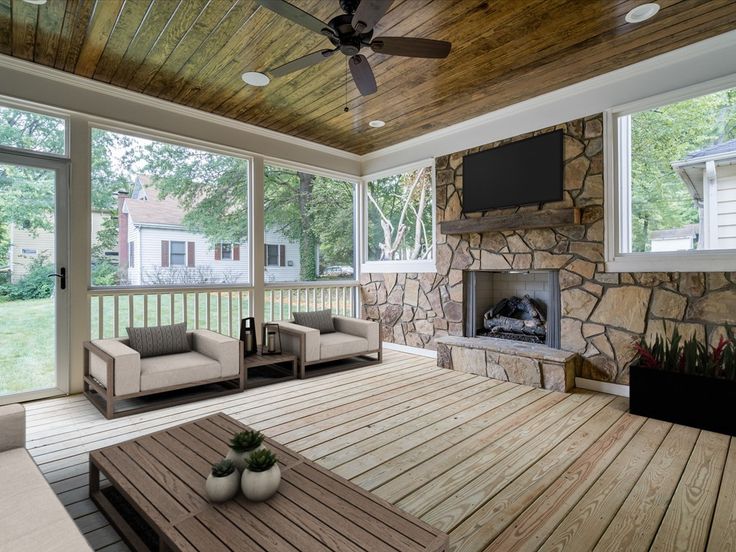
{"type": "Point", "coordinates": [512, 294]}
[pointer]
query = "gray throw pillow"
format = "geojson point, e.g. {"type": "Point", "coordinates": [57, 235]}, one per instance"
{"type": "Point", "coordinates": [319, 320]}
{"type": "Point", "coordinates": [159, 340]}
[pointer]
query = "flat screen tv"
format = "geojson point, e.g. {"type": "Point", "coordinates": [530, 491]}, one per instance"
{"type": "Point", "coordinates": [519, 173]}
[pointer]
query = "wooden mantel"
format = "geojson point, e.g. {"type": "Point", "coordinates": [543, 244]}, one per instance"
{"type": "Point", "coordinates": [515, 221]}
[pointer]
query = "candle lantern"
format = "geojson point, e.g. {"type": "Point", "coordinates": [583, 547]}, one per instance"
{"type": "Point", "coordinates": [248, 336]}
{"type": "Point", "coordinates": [271, 339]}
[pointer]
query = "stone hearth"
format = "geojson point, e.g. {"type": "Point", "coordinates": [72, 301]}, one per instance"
{"type": "Point", "coordinates": [514, 361]}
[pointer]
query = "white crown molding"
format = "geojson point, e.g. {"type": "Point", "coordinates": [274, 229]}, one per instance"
{"type": "Point", "coordinates": [464, 135]}
{"type": "Point", "coordinates": [56, 75]}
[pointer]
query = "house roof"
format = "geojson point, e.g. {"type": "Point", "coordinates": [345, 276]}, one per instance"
{"type": "Point", "coordinates": [687, 231]}
{"type": "Point", "coordinates": [717, 149]}
{"type": "Point", "coordinates": [145, 207]}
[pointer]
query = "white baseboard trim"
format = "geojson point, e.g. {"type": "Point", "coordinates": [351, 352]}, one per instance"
{"type": "Point", "coordinates": [411, 350]}
{"type": "Point", "coordinates": [602, 386]}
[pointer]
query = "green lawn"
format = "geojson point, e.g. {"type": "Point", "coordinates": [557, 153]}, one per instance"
{"type": "Point", "coordinates": [27, 346]}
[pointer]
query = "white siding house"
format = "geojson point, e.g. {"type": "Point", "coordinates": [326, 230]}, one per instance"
{"type": "Point", "coordinates": [710, 175]}
{"type": "Point", "coordinates": [158, 249]}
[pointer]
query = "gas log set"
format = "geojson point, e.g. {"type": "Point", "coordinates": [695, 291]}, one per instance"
{"type": "Point", "coordinates": [516, 318]}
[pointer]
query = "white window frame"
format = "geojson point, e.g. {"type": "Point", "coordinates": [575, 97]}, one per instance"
{"type": "Point", "coordinates": [171, 253]}
{"type": "Point", "coordinates": [423, 265]}
{"type": "Point", "coordinates": [357, 207]}
{"type": "Point", "coordinates": [616, 124]}
{"type": "Point", "coordinates": [222, 251]}
{"type": "Point", "coordinates": [107, 125]}
{"type": "Point", "coordinates": [278, 254]}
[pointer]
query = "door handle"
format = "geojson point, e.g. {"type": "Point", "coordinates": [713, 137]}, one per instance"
{"type": "Point", "coordinates": [61, 276]}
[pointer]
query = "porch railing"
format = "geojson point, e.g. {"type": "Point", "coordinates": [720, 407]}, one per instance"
{"type": "Point", "coordinates": [219, 309]}
{"type": "Point", "coordinates": [216, 309]}
{"type": "Point", "coordinates": [282, 300]}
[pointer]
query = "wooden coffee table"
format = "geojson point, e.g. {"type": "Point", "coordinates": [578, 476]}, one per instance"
{"type": "Point", "coordinates": [156, 500]}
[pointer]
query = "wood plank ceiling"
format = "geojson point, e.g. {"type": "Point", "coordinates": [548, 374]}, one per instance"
{"type": "Point", "coordinates": [193, 52]}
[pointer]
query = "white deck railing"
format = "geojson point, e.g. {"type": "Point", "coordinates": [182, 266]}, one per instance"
{"type": "Point", "coordinates": [284, 299]}
{"type": "Point", "coordinates": [219, 309]}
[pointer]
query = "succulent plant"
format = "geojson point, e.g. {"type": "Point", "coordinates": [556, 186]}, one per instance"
{"type": "Point", "coordinates": [223, 468]}
{"type": "Point", "coordinates": [690, 356]}
{"type": "Point", "coordinates": [246, 441]}
{"type": "Point", "coordinates": [260, 460]}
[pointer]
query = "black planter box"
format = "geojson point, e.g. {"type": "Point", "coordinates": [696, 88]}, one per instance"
{"type": "Point", "coordinates": [687, 399]}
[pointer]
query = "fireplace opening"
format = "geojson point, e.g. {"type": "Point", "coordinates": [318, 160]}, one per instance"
{"type": "Point", "coordinates": [515, 305]}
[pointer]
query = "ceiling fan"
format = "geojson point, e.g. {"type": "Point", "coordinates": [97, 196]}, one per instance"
{"type": "Point", "coordinates": [349, 33]}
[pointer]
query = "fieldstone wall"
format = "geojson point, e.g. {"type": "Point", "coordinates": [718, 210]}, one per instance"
{"type": "Point", "coordinates": [602, 313]}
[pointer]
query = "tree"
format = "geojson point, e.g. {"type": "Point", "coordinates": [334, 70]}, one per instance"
{"type": "Point", "coordinates": [400, 216]}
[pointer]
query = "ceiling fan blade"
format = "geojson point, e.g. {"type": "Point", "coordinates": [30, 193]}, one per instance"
{"type": "Point", "coordinates": [369, 12]}
{"type": "Point", "coordinates": [363, 75]}
{"type": "Point", "coordinates": [301, 63]}
{"type": "Point", "coordinates": [411, 47]}
{"type": "Point", "coordinates": [300, 17]}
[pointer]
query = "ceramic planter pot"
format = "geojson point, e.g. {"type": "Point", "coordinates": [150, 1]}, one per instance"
{"type": "Point", "coordinates": [239, 458]}
{"type": "Point", "coordinates": [260, 486]}
{"type": "Point", "coordinates": [220, 489]}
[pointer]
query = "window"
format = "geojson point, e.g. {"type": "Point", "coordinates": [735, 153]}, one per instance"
{"type": "Point", "coordinates": [272, 255]}
{"type": "Point", "coordinates": [400, 222]}
{"type": "Point", "coordinates": [32, 131]}
{"type": "Point", "coordinates": [226, 250]}
{"type": "Point", "coordinates": [178, 255]}
{"type": "Point", "coordinates": [190, 204]}
{"type": "Point", "coordinates": [312, 219]}
{"type": "Point", "coordinates": [675, 176]}
{"type": "Point", "coordinates": [28, 252]}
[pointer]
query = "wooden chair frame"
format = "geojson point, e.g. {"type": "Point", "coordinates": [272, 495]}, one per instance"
{"type": "Point", "coordinates": [105, 400]}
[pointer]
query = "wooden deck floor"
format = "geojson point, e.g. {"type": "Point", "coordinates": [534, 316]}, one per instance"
{"type": "Point", "coordinates": [498, 466]}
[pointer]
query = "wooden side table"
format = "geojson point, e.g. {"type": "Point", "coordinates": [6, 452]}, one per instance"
{"type": "Point", "coordinates": [284, 364]}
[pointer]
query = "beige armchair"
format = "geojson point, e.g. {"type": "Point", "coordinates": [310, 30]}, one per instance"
{"type": "Point", "coordinates": [114, 372]}
{"type": "Point", "coordinates": [353, 338]}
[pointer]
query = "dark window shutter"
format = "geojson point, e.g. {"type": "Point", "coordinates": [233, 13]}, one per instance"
{"type": "Point", "coordinates": [190, 254]}
{"type": "Point", "coordinates": [236, 252]}
{"type": "Point", "coordinates": [265, 254]}
{"type": "Point", "coordinates": [164, 253]}
{"type": "Point", "coordinates": [131, 255]}
{"type": "Point", "coordinates": [218, 252]}
{"type": "Point", "coordinates": [282, 255]}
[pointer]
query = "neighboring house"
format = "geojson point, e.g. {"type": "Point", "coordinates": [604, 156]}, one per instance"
{"type": "Point", "coordinates": [27, 245]}
{"type": "Point", "coordinates": [675, 239]}
{"type": "Point", "coordinates": [156, 248]}
{"type": "Point", "coordinates": [710, 176]}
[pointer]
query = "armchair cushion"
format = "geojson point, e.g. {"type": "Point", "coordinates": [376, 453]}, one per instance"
{"type": "Point", "coordinates": [165, 371]}
{"type": "Point", "coordinates": [340, 344]}
{"type": "Point", "coordinates": [367, 329]}
{"type": "Point", "coordinates": [127, 365]}
{"type": "Point", "coordinates": [319, 320]}
{"type": "Point", "coordinates": [159, 340]}
{"type": "Point", "coordinates": [223, 349]}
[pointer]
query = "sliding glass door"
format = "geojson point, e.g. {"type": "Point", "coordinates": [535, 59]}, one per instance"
{"type": "Point", "coordinates": [33, 276]}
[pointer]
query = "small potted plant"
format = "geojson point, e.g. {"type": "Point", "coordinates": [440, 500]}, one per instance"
{"type": "Point", "coordinates": [685, 381]}
{"type": "Point", "coordinates": [261, 477]}
{"type": "Point", "coordinates": [222, 482]}
{"type": "Point", "coordinates": [242, 445]}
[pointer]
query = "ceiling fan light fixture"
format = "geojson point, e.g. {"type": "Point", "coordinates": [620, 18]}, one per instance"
{"type": "Point", "coordinates": [376, 123]}
{"type": "Point", "coordinates": [642, 12]}
{"type": "Point", "coordinates": [254, 78]}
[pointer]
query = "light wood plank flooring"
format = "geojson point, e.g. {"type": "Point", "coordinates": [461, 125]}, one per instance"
{"type": "Point", "coordinates": [498, 466]}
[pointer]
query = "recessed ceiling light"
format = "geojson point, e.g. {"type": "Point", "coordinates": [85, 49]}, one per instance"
{"type": "Point", "coordinates": [35, 2]}
{"type": "Point", "coordinates": [377, 123]}
{"type": "Point", "coordinates": [642, 13]}
{"type": "Point", "coordinates": [255, 79]}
